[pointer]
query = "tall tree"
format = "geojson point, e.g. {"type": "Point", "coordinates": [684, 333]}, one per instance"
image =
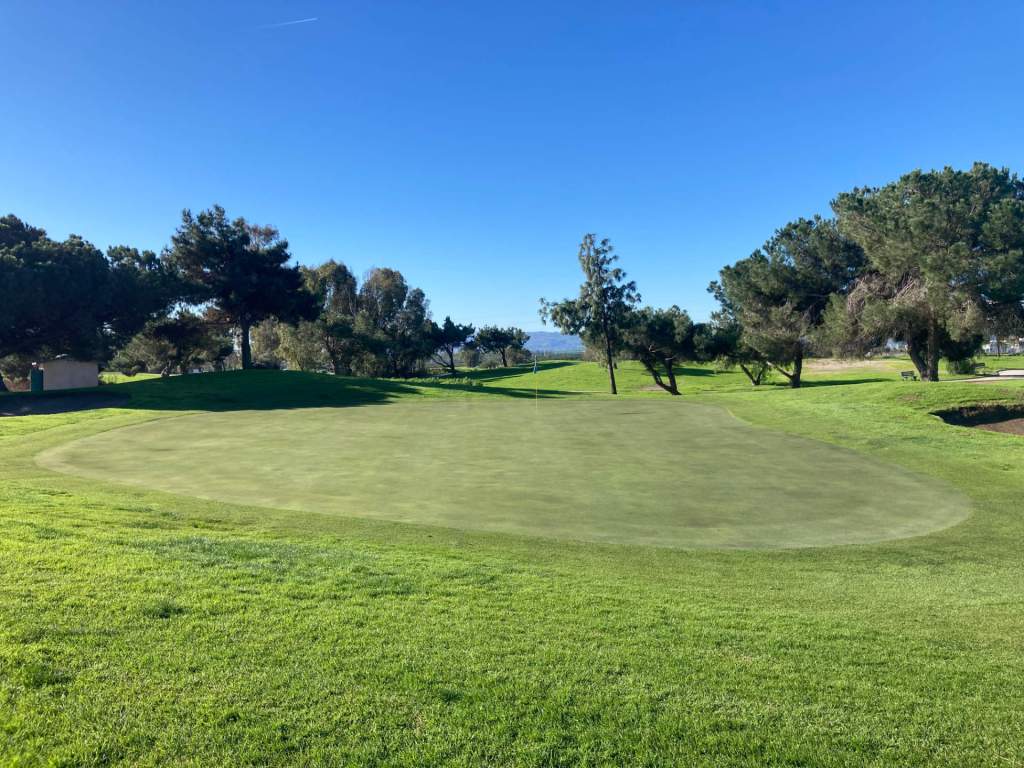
{"type": "Point", "coordinates": [334, 287]}
{"type": "Point", "coordinates": [393, 325]}
{"type": "Point", "coordinates": [448, 338]}
{"type": "Point", "coordinates": [302, 347]}
{"type": "Point", "coordinates": [265, 340]}
{"type": "Point", "coordinates": [516, 351]}
{"type": "Point", "coordinates": [241, 269]}
{"type": "Point", "coordinates": [601, 312]}
{"type": "Point", "coordinates": [660, 339]}
{"type": "Point", "coordinates": [945, 254]}
{"type": "Point", "coordinates": [779, 294]}
{"type": "Point", "coordinates": [504, 342]}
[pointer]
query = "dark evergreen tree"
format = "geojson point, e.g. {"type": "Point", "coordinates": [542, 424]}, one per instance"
{"type": "Point", "coordinates": [68, 298]}
{"type": "Point", "coordinates": [241, 269]}
{"type": "Point", "coordinates": [506, 343]}
{"type": "Point", "coordinates": [945, 253]}
{"type": "Point", "coordinates": [661, 339]}
{"type": "Point", "coordinates": [449, 337]}
{"type": "Point", "coordinates": [779, 294]}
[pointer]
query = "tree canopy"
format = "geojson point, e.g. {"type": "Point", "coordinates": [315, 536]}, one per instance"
{"type": "Point", "coordinates": [174, 345]}
{"type": "Point", "coordinates": [504, 342]}
{"type": "Point", "coordinates": [448, 338]}
{"type": "Point", "coordinates": [602, 311]}
{"type": "Point", "coordinates": [660, 339]}
{"type": "Point", "coordinates": [945, 252]}
{"type": "Point", "coordinates": [378, 328]}
{"type": "Point", "coordinates": [219, 275]}
{"type": "Point", "coordinates": [393, 325]}
{"type": "Point", "coordinates": [241, 270]}
{"type": "Point", "coordinates": [722, 340]}
{"type": "Point", "coordinates": [934, 259]}
{"type": "Point", "coordinates": [69, 298]}
{"type": "Point", "coordinates": [779, 294]}
{"type": "Point", "coordinates": [329, 340]}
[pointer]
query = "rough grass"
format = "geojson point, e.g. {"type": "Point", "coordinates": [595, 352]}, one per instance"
{"type": "Point", "coordinates": [141, 628]}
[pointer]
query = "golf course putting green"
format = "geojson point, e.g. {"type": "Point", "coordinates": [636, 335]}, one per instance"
{"type": "Point", "coordinates": [653, 472]}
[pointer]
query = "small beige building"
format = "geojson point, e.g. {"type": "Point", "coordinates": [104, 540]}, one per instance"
{"type": "Point", "coordinates": [65, 373]}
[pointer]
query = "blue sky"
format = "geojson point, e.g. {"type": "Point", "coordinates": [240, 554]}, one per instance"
{"type": "Point", "coordinates": [471, 144]}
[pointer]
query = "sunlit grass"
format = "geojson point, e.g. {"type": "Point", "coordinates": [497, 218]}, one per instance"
{"type": "Point", "coordinates": [143, 628]}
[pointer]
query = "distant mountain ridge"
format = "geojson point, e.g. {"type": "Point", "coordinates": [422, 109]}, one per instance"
{"type": "Point", "coordinates": [552, 341]}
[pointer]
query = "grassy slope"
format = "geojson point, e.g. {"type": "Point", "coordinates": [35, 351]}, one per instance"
{"type": "Point", "coordinates": [142, 628]}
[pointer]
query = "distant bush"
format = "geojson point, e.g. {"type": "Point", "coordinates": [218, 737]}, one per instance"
{"type": "Point", "coordinates": [448, 381]}
{"type": "Point", "coordinates": [963, 367]}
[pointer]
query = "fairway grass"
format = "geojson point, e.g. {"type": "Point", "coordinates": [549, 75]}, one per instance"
{"type": "Point", "coordinates": [656, 472]}
{"type": "Point", "coordinates": [140, 627]}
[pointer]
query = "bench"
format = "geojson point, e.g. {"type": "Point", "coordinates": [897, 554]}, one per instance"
{"type": "Point", "coordinates": [908, 375]}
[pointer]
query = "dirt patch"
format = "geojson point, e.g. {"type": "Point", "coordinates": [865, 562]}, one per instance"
{"type": "Point", "coordinates": [35, 405]}
{"type": "Point", "coordinates": [994, 418]}
{"type": "Point", "coordinates": [1010, 427]}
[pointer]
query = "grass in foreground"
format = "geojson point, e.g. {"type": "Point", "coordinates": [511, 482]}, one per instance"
{"type": "Point", "coordinates": [140, 628]}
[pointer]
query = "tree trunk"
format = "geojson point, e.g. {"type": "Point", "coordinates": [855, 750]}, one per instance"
{"type": "Point", "coordinates": [652, 368]}
{"type": "Point", "coordinates": [933, 351]}
{"type": "Point", "coordinates": [246, 347]}
{"type": "Point", "coordinates": [611, 363]}
{"type": "Point", "coordinates": [504, 358]}
{"type": "Point", "coordinates": [673, 389]}
{"type": "Point", "coordinates": [451, 361]}
{"type": "Point", "coordinates": [754, 380]}
{"type": "Point", "coordinates": [798, 367]}
{"type": "Point", "coordinates": [794, 376]}
{"type": "Point", "coordinates": [3, 387]}
{"type": "Point", "coordinates": [918, 360]}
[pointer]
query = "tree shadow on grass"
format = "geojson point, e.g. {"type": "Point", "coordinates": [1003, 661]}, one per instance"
{"type": "Point", "coordinates": [838, 382]}
{"type": "Point", "coordinates": [272, 390]}
{"type": "Point", "coordinates": [682, 371]}
{"type": "Point", "coordinates": [40, 403]}
{"type": "Point", "coordinates": [499, 374]}
{"type": "Point", "coordinates": [517, 392]}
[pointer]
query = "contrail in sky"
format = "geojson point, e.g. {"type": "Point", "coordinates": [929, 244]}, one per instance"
{"type": "Point", "coordinates": [289, 23]}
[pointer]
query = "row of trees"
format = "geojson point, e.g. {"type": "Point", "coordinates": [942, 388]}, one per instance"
{"type": "Point", "coordinates": [380, 327]}
{"type": "Point", "coordinates": [222, 288]}
{"type": "Point", "coordinates": [68, 297]}
{"type": "Point", "coordinates": [607, 316]}
{"type": "Point", "coordinates": [934, 260]}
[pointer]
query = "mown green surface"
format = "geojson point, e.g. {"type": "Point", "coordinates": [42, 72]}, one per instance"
{"type": "Point", "coordinates": [143, 628]}
{"type": "Point", "coordinates": [660, 472]}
